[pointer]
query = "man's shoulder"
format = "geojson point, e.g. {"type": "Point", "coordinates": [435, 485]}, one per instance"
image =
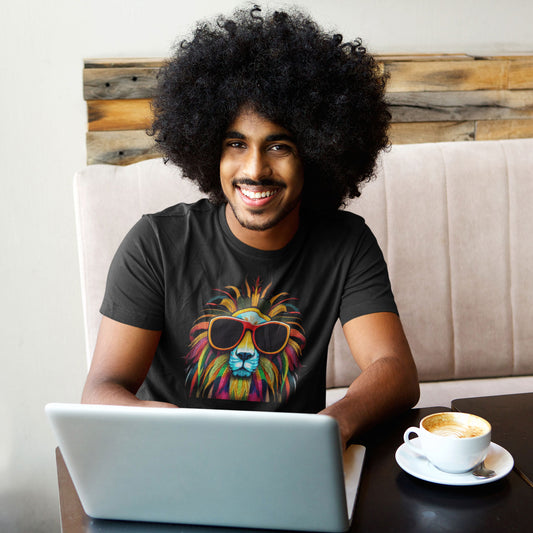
{"type": "Point", "coordinates": [339, 220]}
{"type": "Point", "coordinates": [172, 220]}
{"type": "Point", "coordinates": [200, 208]}
{"type": "Point", "coordinates": [340, 230]}
{"type": "Point", "coordinates": [349, 218]}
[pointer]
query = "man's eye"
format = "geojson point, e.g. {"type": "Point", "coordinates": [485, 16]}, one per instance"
{"type": "Point", "coordinates": [280, 148]}
{"type": "Point", "coordinates": [235, 144]}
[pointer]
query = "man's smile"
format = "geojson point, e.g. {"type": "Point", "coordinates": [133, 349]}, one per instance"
{"type": "Point", "coordinates": [255, 195]}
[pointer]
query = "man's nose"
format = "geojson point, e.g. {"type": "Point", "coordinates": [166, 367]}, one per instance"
{"type": "Point", "coordinates": [255, 165]}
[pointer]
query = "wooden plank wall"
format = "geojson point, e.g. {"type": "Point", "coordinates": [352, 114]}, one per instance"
{"type": "Point", "coordinates": [432, 98]}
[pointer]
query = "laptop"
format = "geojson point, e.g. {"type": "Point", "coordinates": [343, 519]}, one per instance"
{"type": "Point", "coordinates": [209, 467]}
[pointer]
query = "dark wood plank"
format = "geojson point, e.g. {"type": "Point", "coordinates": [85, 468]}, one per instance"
{"type": "Point", "coordinates": [124, 62]}
{"type": "Point", "coordinates": [119, 147]}
{"type": "Point", "coordinates": [73, 517]}
{"type": "Point", "coordinates": [460, 106]}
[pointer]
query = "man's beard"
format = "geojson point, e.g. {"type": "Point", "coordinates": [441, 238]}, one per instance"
{"type": "Point", "coordinates": [268, 224]}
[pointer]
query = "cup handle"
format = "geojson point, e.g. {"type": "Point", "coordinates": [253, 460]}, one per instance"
{"type": "Point", "coordinates": [407, 440]}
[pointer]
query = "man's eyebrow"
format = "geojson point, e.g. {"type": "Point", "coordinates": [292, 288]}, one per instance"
{"type": "Point", "coordinates": [233, 135]}
{"type": "Point", "coordinates": [280, 137]}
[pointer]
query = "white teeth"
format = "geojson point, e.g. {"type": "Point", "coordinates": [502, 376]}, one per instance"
{"type": "Point", "coordinates": [256, 195]}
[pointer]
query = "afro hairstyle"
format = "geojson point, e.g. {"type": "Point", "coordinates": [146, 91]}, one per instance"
{"type": "Point", "coordinates": [328, 93]}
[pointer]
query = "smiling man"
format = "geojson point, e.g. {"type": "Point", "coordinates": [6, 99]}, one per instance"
{"type": "Point", "coordinates": [230, 302]}
{"type": "Point", "coordinates": [262, 178]}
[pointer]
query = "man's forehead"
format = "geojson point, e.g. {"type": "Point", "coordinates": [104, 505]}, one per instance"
{"type": "Point", "coordinates": [281, 136]}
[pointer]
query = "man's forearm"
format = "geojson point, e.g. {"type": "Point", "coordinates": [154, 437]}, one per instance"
{"type": "Point", "coordinates": [385, 388]}
{"type": "Point", "coordinates": [111, 393]}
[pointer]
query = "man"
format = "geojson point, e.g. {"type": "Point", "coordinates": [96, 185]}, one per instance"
{"type": "Point", "coordinates": [230, 303]}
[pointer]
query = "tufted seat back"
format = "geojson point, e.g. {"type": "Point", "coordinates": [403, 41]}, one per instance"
{"type": "Point", "coordinates": [454, 220]}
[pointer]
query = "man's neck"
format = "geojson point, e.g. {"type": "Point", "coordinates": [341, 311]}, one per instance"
{"type": "Point", "coordinates": [274, 238]}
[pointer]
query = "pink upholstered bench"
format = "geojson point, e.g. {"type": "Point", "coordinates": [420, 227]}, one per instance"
{"type": "Point", "coordinates": [455, 222]}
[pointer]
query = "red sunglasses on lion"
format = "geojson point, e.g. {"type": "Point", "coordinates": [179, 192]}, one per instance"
{"type": "Point", "coordinates": [226, 332]}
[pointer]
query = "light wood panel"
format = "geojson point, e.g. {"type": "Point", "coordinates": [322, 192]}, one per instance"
{"type": "Point", "coordinates": [432, 97]}
{"type": "Point", "coordinates": [426, 132]}
{"type": "Point", "coordinates": [116, 115]}
{"type": "Point", "coordinates": [490, 130]}
{"type": "Point", "coordinates": [521, 74]}
{"type": "Point", "coordinates": [465, 75]}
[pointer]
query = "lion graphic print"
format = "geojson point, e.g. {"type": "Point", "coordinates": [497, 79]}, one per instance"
{"type": "Point", "coordinates": [246, 345]}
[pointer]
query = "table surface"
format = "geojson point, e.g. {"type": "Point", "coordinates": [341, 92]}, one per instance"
{"type": "Point", "coordinates": [389, 500]}
{"type": "Point", "coordinates": [511, 417]}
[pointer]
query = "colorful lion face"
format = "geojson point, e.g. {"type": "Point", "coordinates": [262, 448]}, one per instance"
{"type": "Point", "coordinates": [246, 345]}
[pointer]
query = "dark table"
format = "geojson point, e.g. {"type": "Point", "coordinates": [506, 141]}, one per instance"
{"type": "Point", "coordinates": [389, 500]}
{"type": "Point", "coordinates": [511, 417]}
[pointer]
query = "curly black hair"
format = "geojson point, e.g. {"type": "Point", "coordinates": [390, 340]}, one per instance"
{"type": "Point", "coordinates": [328, 93]}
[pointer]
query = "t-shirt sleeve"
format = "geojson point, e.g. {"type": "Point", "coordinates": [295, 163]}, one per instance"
{"type": "Point", "coordinates": [134, 293]}
{"type": "Point", "coordinates": [367, 287]}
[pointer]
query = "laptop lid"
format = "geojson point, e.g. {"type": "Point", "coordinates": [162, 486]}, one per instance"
{"type": "Point", "coordinates": [209, 467]}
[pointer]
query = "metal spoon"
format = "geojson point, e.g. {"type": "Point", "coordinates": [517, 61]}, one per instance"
{"type": "Point", "coordinates": [482, 471]}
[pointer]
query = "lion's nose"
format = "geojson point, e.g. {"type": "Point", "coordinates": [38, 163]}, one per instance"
{"type": "Point", "coordinates": [244, 356]}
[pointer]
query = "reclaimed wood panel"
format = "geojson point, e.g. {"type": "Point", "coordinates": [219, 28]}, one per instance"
{"type": "Point", "coordinates": [432, 97]}
{"type": "Point", "coordinates": [124, 62]}
{"type": "Point", "coordinates": [108, 115]}
{"type": "Point", "coordinates": [464, 105]}
{"type": "Point", "coordinates": [446, 75]}
{"type": "Point", "coordinates": [426, 132]}
{"type": "Point", "coordinates": [119, 83]}
{"type": "Point", "coordinates": [137, 79]}
{"type": "Point", "coordinates": [491, 130]}
{"type": "Point", "coordinates": [521, 74]}
{"type": "Point", "coordinates": [111, 115]}
{"type": "Point", "coordinates": [120, 147]}
{"type": "Point", "coordinates": [387, 58]}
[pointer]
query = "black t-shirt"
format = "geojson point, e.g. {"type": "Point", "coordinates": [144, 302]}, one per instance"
{"type": "Point", "coordinates": [243, 328]}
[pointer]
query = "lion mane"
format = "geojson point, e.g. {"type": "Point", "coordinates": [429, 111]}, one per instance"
{"type": "Point", "coordinates": [208, 370]}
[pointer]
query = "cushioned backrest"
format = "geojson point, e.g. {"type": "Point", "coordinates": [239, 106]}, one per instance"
{"type": "Point", "coordinates": [455, 222]}
{"type": "Point", "coordinates": [109, 200]}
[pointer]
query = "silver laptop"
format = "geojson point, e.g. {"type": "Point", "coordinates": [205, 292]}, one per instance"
{"type": "Point", "coordinates": [209, 467]}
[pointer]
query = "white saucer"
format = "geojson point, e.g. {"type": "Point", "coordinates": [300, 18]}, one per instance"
{"type": "Point", "coordinates": [498, 459]}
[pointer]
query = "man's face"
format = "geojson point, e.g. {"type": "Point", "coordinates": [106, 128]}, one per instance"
{"type": "Point", "coordinates": [261, 173]}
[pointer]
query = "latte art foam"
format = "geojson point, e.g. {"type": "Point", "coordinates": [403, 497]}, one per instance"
{"type": "Point", "coordinates": [457, 431]}
{"type": "Point", "coordinates": [456, 425]}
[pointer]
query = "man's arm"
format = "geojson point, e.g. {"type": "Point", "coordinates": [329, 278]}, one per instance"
{"type": "Point", "coordinates": [122, 357]}
{"type": "Point", "coordinates": [388, 382]}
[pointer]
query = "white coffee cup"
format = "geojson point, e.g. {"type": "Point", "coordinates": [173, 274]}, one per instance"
{"type": "Point", "coordinates": [453, 442]}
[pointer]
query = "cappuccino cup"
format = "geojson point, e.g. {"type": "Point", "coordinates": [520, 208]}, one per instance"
{"type": "Point", "coordinates": [452, 442]}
